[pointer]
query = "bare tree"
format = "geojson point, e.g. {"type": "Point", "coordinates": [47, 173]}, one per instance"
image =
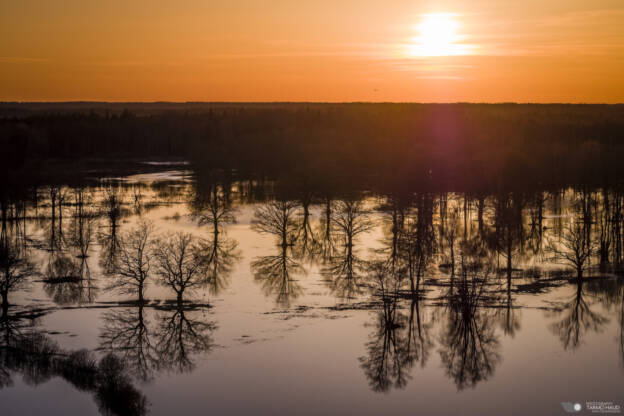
{"type": "Point", "coordinates": [573, 247]}
{"type": "Point", "coordinates": [15, 269]}
{"type": "Point", "coordinates": [180, 263]}
{"type": "Point", "coordinates": [81, 234]}
{"type": "Point", "coordinates": [277, 218]}
{"type": "Point", "coordinates": [350, 219]}
{"type": "Point", "coordinates": [215, 211]}
{"type": "Point", "coordinates": [417, 242]}
{"type": "Point", "coordinates": [133, 262]}
{"type": "Point", "coordinates": [449, 236]}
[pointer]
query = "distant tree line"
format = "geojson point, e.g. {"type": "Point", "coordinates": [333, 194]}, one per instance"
{"type": "Point", "coordinates": [454, 145]}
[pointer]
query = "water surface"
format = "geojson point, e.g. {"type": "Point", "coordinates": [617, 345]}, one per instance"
{"type": "Point", "coordinates": [314, 300]}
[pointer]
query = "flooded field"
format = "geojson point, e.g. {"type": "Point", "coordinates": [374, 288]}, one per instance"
{"type": "Point", "coordinates": [254, 298]}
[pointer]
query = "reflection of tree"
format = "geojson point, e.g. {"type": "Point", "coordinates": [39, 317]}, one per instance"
{"type": "Point", "coordinates": [507, 236]}
{"type": "Point", "coordinates": [15, 269]}
{"type": "Point", "coordinates": [345, 273]}
{"type": "Point", "coordinates": [384, 366]}
{"type": "Point", "coordinates": [81, 233]}
{"type": "Point", "coordinates": [276, 273]}
{"type": "Point", "coordinates": [469, 345]}
{"type": "Point", "coordinates": [578, 319]}
{"type": "Point", "coordinates": [325, 238]}
{"type": "Point", "coordinates": [126, 332]}
{"type": "Point", "coordinates": [344, 269]}
{"type": "Point", "coordinates": [54, 229]}
{"type": "Point", "coordinates": [507, 240]}
{"type": "Point", "coordinates": [398, 342]}
{"type": "Point", "coordinates": [213, 209]}
{"type": "Point", "coordinates": [180, 336]}
{"type": "Point", "coordinates": [26, 350]}
{"type": "Point", "coordinates": [108, 238]}
{"type": "Point", "coordinates": [306, 246]}
{"type": "Point", "coordinates": [417, 243]}
{"type": "Point", "coordinates": [222, 255]}
{"type": "Point", "coordinates": [109, 243]}
{"type": "Point", "coordinates": [449, 235]}
{"type": "Point", "coordinates": [68, 281]}
{"type": "Point", "coordinates": [536, 233]}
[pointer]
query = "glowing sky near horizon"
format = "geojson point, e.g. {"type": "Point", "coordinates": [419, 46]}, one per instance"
{"type": "Point", "coordinates": [352, 50]}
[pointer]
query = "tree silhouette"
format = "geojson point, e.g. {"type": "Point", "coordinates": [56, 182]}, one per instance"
{"type": "Point", "coordinates": [573, 247]}
{"type": "Point", "coordinates": [134, 260]}
{"type": "Point", "coordinates": [277, 218]}
{"type": "Point", "coordinates": [417, 243]}
{"type": "Point", "coordinates": [180, 263]}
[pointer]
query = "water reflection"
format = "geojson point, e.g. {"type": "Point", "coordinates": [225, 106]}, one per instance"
{"type": "Point", "coordinates": [278, 274]}
{"type": "Point", "coordinates": [26, 350]}
{"type": "Point", "coordinates": [443, 275]}
{"type": "Point", "coordinates": [576, 319]}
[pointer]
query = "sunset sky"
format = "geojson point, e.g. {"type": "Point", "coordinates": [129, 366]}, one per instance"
{"type": "Point", "coordinates": [323, 50]}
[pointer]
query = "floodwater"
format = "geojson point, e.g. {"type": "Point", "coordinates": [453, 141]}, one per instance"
{"type": "Point", "coordinates": [303, 302]}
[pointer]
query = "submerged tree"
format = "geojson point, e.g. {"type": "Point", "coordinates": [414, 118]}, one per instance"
{"type": "Point", "coordinates": [344, 269]}
{"type": "Point", "coordinates": [573, 247]}
{"type": "Point", "coordinates": [81, 233]}
{"type": "Point", "coordinates": [349, 220]}
{"type": "Point", "coordinates": [180, 263]}
{"type": "Point", "coordinates": [214, 210]}
{"type": "Point", "coordinates": [277, 218]}
{"type": "Point", "coordinates": [417, 244]}
{"type": "Point", "coordinates": [134, 260]}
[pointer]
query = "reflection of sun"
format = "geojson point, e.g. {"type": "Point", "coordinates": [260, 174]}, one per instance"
{"type": "Point", "coordinates": [438, 37]}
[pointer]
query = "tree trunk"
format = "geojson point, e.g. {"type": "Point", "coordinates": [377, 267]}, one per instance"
{"type": "Point", "coordinates": [141, 293]}
{"type": "Point", "coordinates": [5, 302]}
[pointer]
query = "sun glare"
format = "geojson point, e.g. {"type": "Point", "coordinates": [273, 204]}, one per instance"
{"type": "Point", "coordinates": [438, 35]}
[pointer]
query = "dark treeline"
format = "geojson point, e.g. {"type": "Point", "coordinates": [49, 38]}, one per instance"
{"type": "Point", "coordinates": [455, 146]}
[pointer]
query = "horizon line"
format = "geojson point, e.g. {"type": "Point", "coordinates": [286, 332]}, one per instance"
{"type": "Point", "coordinates": [316, 102]}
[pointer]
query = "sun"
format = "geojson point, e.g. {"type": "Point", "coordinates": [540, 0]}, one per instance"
{"type": "Point", "coordinates": [438, 35]}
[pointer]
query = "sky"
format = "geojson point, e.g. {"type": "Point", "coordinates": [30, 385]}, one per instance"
{"type": "Point", "coordinates": [322, 50]}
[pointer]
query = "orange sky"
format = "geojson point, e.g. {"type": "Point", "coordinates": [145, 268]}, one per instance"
{"type": "Point", "coordinates": [339, 50]}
